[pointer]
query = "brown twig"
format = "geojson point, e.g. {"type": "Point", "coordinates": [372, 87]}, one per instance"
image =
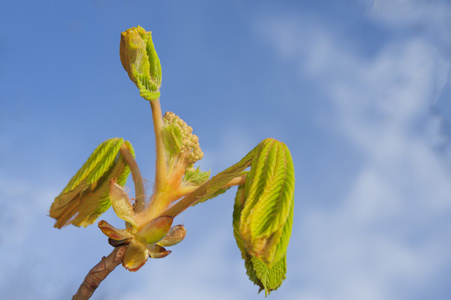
{"type": "Point", "coordinates": [100, 271]}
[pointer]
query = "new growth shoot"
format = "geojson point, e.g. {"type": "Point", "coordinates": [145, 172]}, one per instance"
{"type": "Point", "coordinates": [263, 207]}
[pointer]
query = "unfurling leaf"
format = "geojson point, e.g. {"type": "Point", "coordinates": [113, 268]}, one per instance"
{"type": "Point", "coordinates": [269, 191]}
{"type": "Point", "coordinates": [268, 279]}
{"type": "Point", "coordinates": [86, 196]}
{"type": "Point", "coordinates": [172, 139]}
{"type": "Point", "coordinates": [196, 176]}
{"type": "Point", "coordinates": [139, 58]}
{"type": "Point", "coordinates": [263, 214]}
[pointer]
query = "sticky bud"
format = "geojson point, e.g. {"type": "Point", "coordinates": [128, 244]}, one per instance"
{"type": "Point", "coordinates": [135, 256]}
{"type": "Point", "coordinates": [121, 203]}
{"type": "Point", "coordinates": [114, 233]}
{"type": "Point", "coordinates": [175, 235]}
{"type": "Point", "coordinates": [156, 251]}
{"type": "Point", "coordinates": [140, 60]}
{"type": "Point", "coordinates": [264, 220]}
{"type": "Point", "coordinates": [155, 230]}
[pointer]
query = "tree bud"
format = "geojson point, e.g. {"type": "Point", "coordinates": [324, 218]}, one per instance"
{"type": "Point", "coordinates": [156, 251]}
{"type": "Point", "coordinates": [140, 60]}
{"type": "Point", "coordinates": [155, 230]}
{"type": "Point", "coordinates": [121, 203]}
{"type": "Point", "coordinates": [175, 235]}
{"type": "Point", "coordinates": [265, 220]}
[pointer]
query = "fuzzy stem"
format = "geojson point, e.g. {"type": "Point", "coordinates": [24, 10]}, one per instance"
{"type": "Point", "coordinates": [240, 180]}
{"type": "Point", "coordinates": [192, 197]}
{"type": "Point", "coordinates": [160, 166]}
{"type": "Point", "coordinates": [100, 271]}
{"type": "Point", "coordinates": [137, 178]}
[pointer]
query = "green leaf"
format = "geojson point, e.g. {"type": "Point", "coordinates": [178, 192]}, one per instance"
{"type": "Point", "coordinates": [104, 203]}
{"type": "Point", "coordinates": [259, 273]}
{"type": "Point", "coordinates": [139, 58]}
{"type": "Point", "coordinates": [240, 198]}
{"type": "Point", "coordinates": [96, 164]}
{"type": "Point", "coordinates": [86, 195]}
{"type": "Point", "coordinates": [269, 198]}
{"type": "Point", "coordinates": [196, 176]}
{"type": "Point", "coordinates": [172, 139]}
{"type": "Point", "coordinates": [215, 186]}
{"type": "Point", "coordinates": [269, 279]}
{"type": "Point", "coordinates": [154, 61]}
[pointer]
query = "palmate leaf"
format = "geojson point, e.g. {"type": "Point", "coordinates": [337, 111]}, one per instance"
{"type": "Point", "coordinates": [139, 58]}
{"type": "Point", "coordinates": [269, 194]}
{"type": "Point", "coordinates": [196, 176]}
{"type": "Point", "coordinates": [263, 214]}
{"type": "Point", "coordinates": [86, 197]}
{"type": "Point", "coordinates": [268, 279]}
{"type": "Point", "coordinates": [172, 139]}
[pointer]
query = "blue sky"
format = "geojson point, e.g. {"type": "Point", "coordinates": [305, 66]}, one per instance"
{"type": "Point", "coordinates": [359, 90]}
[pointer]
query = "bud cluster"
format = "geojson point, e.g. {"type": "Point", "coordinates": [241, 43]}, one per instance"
{"type": "Point", "coordinates": [190, 142]}
{"type": "Point", "coordinates": [144, 240]}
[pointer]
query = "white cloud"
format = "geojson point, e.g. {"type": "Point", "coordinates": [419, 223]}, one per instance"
{"type": "Point", "coordinates": [35, 254]}
{"type": "Point", "coordinates": [405, 13]}
{"type": "Point", "coordinates": [383, 239]}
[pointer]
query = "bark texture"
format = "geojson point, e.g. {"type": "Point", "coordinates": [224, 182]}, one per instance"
{"type": "Point", "coordinates": [100, 271]}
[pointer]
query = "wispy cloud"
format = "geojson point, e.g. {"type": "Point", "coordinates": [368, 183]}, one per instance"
{"type": "Point", "coordinates": [386, 236]}
{"type": "Point", "coordinates": [383, 239]}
